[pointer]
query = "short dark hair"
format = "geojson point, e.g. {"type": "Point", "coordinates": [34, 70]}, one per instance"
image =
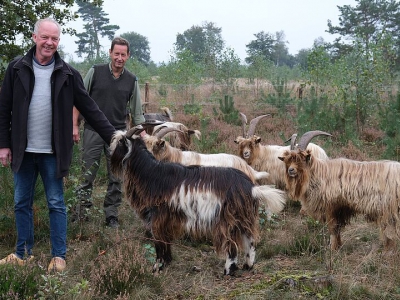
{"type": "Point", "coordinates": [120, 41]}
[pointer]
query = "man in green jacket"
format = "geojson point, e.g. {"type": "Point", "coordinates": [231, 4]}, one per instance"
{"type": "Point", "coordinates": [116, 91]}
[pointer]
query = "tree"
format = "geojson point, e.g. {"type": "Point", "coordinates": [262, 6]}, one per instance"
{"type": "Point", "coordinates": [17, 20]}
{"type": "Point", "coordinates": [271, 47]}
{"type": "Point", "coordinates": [228, 68]}
{"type": "Point", "coordinates": [367, 21]}
{"type": "Point", "coordinates": [96, 25]}
{"type": "Point", "coordinates": [262, 46]}
{"type": "Point", "coordinates": [301, 58]}
{"type": "Point", "coordinates": [280, 52]}
{"type": "Point", "coordinates": [259, 70]}
{"type": "Point", "coordinates": [204, 42]}
{"type": "Point", "coordinates": [181, 70]}
{"type": "Point", "coordinates": [140, 49]}
{"type": "Point", "coordinates": [318, 67]}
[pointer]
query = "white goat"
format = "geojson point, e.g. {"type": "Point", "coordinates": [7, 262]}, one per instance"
{"type": "Point", "coordinates": [163, 151]}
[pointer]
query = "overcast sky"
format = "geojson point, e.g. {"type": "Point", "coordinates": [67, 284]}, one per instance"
{"type": "Point", "coordinates": [161, 20]}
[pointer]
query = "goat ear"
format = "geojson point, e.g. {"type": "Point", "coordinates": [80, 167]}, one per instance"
{"type": "Point", "coordinates": [162, 143]}
{"type": "Point", "coordinates": [238, 139]}
{"type": "Point", "coordinates": [308, 157]}
{"type": "Point", "coordinates": [281, 158]}
{"type": "Point", "coordinates": [257, 139]}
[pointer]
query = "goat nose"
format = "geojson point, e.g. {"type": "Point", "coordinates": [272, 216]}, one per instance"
{"type": "Point", "coordinates": [291, 171]}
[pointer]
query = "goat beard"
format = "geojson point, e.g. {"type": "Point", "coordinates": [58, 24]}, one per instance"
{"type": "Point", "coordinates": [117, 158]}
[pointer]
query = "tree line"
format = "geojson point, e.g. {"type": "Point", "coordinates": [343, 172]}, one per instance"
{"type": "Point", "coordinates": [354, 80]}
{"type": "Point", "coordinates": [367, 23]}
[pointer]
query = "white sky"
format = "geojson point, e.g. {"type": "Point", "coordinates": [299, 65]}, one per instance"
{"type": "Point", "coordinates": [161, 20]}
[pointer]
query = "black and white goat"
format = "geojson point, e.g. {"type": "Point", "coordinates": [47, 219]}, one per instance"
{"type": "Point", "coordinates": [173, 200]}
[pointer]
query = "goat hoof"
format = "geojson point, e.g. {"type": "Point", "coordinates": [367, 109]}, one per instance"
{"type": "Point", "coordinates": [231, 270]}
{"type": "Point", "coordinates": [246, 267]}
{"type": "Point", "coordinates": [158, 267]}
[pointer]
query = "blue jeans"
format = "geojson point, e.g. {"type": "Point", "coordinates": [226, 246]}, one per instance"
{"type": "Point", "coordinates": [32, 165]}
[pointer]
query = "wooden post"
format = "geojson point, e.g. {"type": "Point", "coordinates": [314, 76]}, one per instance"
{"type": "Point", "coordinates": [146, 96]}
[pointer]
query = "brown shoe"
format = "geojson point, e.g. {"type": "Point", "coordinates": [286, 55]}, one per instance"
{"type": "Point", "coordinates": [57, 264]}
{"type": "Point", "coordinates": [12, 259]}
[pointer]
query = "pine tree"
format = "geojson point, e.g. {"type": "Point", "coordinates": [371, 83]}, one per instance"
{"type": "Point", "coordinates": [97, 24]}
{"type": "Point", "coordinates": [367, 21]}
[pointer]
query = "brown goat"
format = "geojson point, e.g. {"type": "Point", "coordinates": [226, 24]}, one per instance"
{"type": "Point", "coordinates": [265, 157]}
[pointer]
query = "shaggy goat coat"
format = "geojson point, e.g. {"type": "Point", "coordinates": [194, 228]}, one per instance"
{"type": "Point", "coordinates": [334, 190]}
{"type": "Point", "coordinates": [265, 158]}
{"type": "Point", "coordinates": [163, 151]}
{"type": "Point", "coordinates": [173, 199]}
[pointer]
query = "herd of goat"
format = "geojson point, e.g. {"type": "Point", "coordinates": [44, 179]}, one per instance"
{"type": "Point", "coordinates": [178, 192]}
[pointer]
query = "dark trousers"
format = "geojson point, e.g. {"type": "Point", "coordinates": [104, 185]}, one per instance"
{"type": "Point", "coordinates": [93, 147]}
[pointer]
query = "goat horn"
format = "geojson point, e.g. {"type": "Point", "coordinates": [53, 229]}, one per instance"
{"type": "Point", "coordinates": [134, 130]}
{"type": "Point", "coordinates": [253, 124]}
{"type": "Point", "coordinates": [292, 141]}
{"type": "Point", "coordinates": [308, 136]}
{"type": "Point", "coordinates": [244, 122]}
{"type": "Point", "coordinates": [163, 131]}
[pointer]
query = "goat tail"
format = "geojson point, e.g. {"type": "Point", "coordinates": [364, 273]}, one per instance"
{"type": "Point", "coordinates": [260, 175]}
{"type": "Point", "coordinates": [273, 199]}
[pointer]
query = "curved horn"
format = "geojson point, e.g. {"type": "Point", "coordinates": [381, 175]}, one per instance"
{"type": "Point", "coordinates": [308, 136]}
{"type": "Point", "coordinates": [134, 130]}
{"type": "Point", "coordinates": [244, 122]}
{"type": "Point", "coordinates": [253, 124]}
{"type": "Point", "coordinates": [292, 141]}
{"type": "Point", "coordinates": [163, 131]}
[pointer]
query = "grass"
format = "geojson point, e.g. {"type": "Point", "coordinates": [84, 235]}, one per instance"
{"type": "Point", "coordinates": [293, 262]}
{"type": "Point", "coordinates": [293, 259]}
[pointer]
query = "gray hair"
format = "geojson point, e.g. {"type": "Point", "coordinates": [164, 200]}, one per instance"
{"type": "Point", "coordinates": [40, 21]}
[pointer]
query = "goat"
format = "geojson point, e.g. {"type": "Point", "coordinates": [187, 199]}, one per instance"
{"type": "Point", "coordinates": [180, 138]}
{"type": "Point", "coordinates": [265, 157]}
{"type": "Point", "coordinates": [173, 199]}
{"type": "Point", "coordinates": [335, 190]}
{"type": "Point", "coordinates": [162, 150]}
